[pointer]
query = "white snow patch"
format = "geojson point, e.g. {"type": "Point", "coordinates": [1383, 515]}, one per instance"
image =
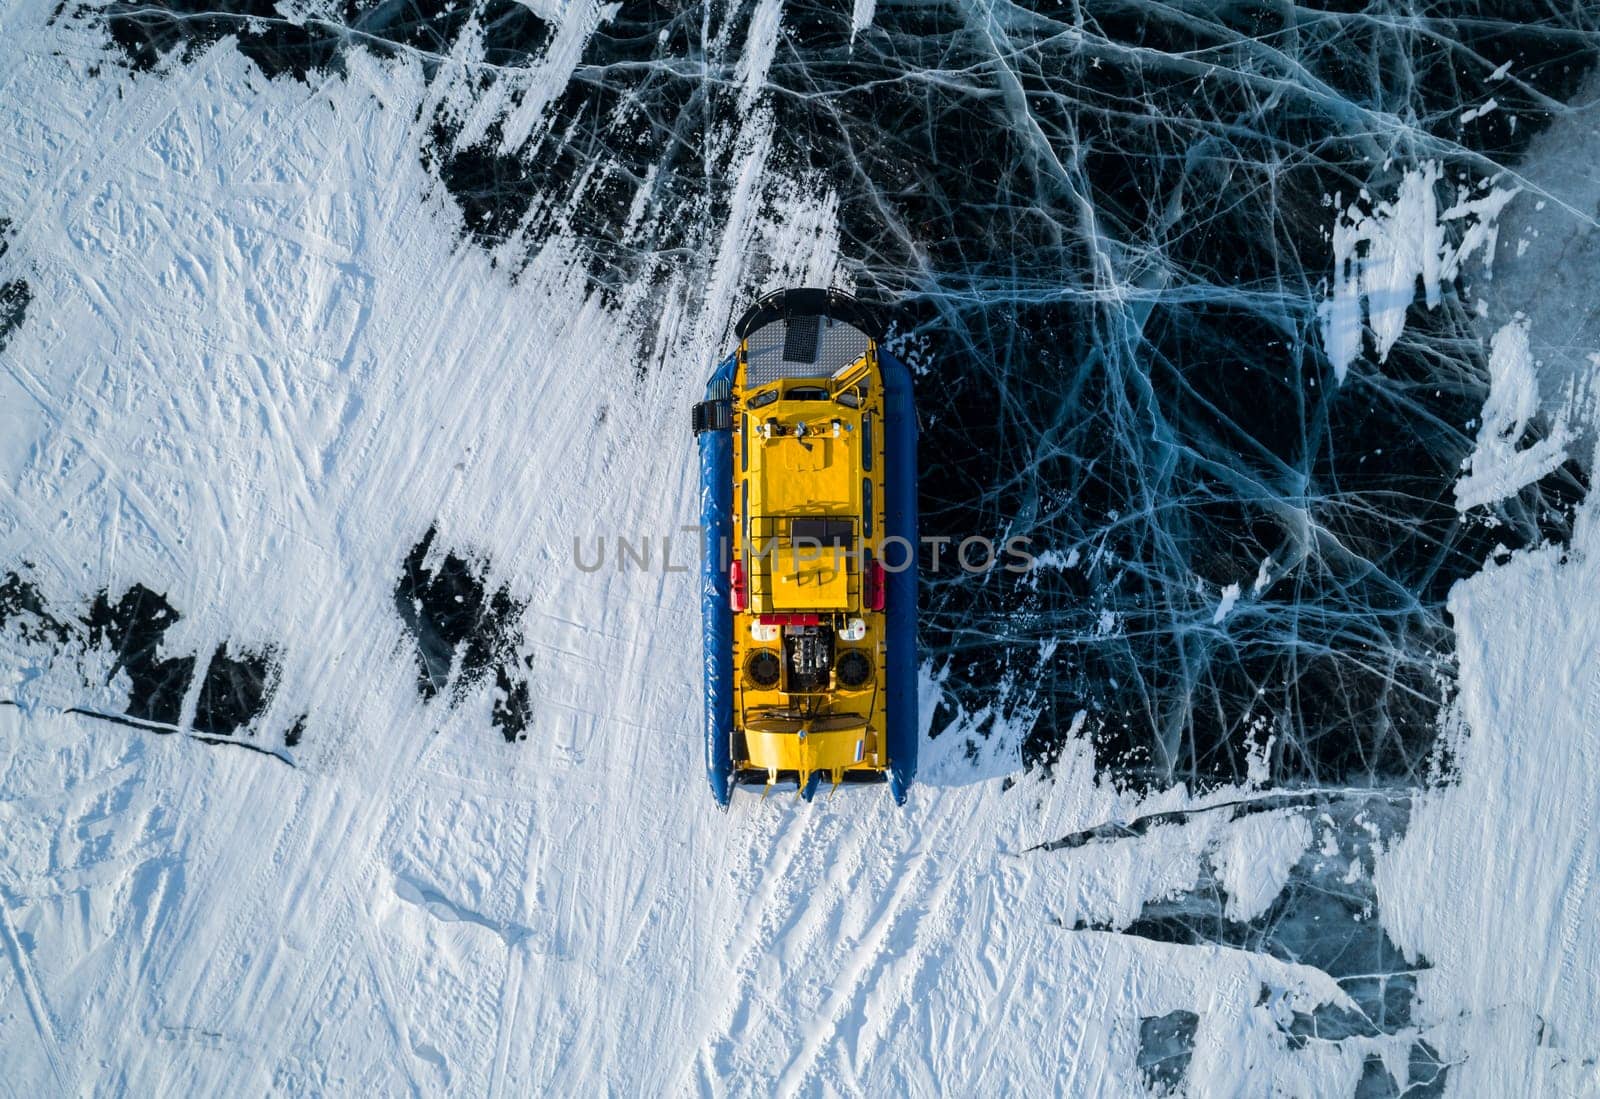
{"type": "Point", "coordinates": [761, 45]}
{"type": "Point", "coordinates": [1253, 859]}
{"type": "Point", "coordinates": [1258, 753]}
{"type": "Point", "coordinates": [1379, 256]}
{"type": "Point", "coordinates": [1495, 881]}
{"type": "Point", "coordinates": [861, 16]}
{"type": "Point", "coordinates": [1497, 467]}
{"type": "Point", "coordinates": [1230, 596]}
{"type": "Point", "coordinates": [1055, 559]}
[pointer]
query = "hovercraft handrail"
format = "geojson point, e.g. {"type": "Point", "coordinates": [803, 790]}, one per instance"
{"type": "Point", "coordinates": [809, 301]}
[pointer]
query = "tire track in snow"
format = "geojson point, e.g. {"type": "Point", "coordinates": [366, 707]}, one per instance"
{"type": "Point", "coordinates": [721, 1024]}
{"type": "Point", "coordinates": [800, 914]}
{"type": "Point", "coordinates": [1584, 860]}
{"type": "Point", "coordinates": [866, 963]}
{"type": "Point", "coordinates": [133, 121]}
{"type": "Point", "coordinates": [388, 1006]}
{"type": "Point", "coordinates": [918, 885]}
{"type": "Point", "coordinates": [30, 993]}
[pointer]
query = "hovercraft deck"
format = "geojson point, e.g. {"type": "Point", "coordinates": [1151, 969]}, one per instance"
{"type": "Point", "coordinates": [807, 442]}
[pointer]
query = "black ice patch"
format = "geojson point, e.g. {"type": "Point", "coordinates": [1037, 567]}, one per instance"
{"type": "Point", "coordinates": [15, 295]}
{"type": "Point", "coordinates": [463, 628]}
{"type": "Point", "coordinates": [235, 690]}
{"type": "Point", "coordinates": [24, 609]}
{"type": "Point", "coordinates": [1166, 1046]}
{"type": "Point", "coordinates": [132, 628]}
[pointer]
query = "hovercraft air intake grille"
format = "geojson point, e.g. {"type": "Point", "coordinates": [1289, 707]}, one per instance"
{"type": "Point", "coordinates": [712, 416]}
{"type": "Point", "coordinates": [853, 668]}
{"type": "Point", "coordinates": [762, 668]}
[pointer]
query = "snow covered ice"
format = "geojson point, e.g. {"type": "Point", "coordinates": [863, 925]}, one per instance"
{"type": "Point", "coordinates": [327, 331]}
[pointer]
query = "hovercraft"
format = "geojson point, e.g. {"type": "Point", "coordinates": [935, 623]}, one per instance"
{"type": "Point", "coordinates": [808, 494]}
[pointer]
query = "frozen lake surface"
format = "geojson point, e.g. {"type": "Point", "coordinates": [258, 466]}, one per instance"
{"type": "Point", "coordinates": [333, 337]}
